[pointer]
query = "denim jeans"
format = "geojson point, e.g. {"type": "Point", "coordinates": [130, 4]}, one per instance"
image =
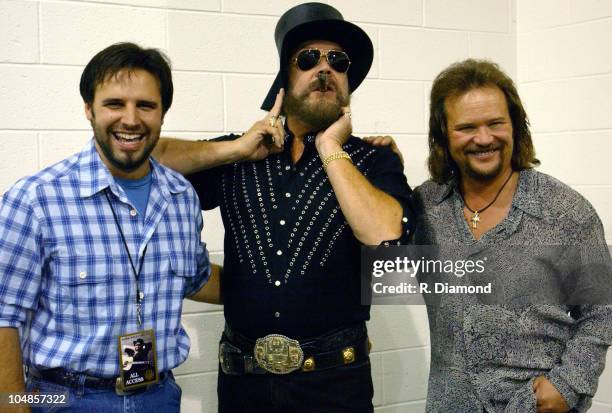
{"type": "Point", "coordinates": [345, 389]}
{"type": "Point", "coordinates": [164, 396]}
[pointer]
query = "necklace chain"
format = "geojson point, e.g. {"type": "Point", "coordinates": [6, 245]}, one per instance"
{"type": "Point", "coordinates": [475, 219]}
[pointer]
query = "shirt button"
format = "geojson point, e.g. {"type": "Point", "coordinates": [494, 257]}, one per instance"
{"type": "Point", "coordinates": [282, 222]}
{"type": "Point", "coordinates": [404, 219]}
{"type": "Point", "coordinates": [279, 252]}
{"type": "Point", "coordinates": [277, 283]}
{"type": "Point", "coordinates": [82, 274]}
{"type": "Point", "coordinates": [277, 314]}
{"type": "Point", "coordinates": [287, 168]}
{"type": "Point", "coordinates": [386, 244]}
{"type": "Point", "coordinates": [287, 194]}
{"type": "Point", "coordinates": [133, 212]}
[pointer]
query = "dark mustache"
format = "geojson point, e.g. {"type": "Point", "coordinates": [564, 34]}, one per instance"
{"type": "Point", "coordinates": [136, 131]}
{"type": "Point", "coordinates": [483, 148]}
{"type": "Point", "coordinates": [315, 84]}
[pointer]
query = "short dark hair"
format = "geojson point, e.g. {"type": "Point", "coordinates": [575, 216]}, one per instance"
{"type": "Point", "coordinates": [456, 80]}
{"type": "Point", "coordinates": [119, 56]}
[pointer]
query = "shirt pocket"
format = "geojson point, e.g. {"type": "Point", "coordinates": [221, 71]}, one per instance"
{"type": "Point", "coordinates": [88, 292]}
{"type": "Point", "coordinates": [181, 275]}
{"type": "Point", "coordinates": [183, 264]}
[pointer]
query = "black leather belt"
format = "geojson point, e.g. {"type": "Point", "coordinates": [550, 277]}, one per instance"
{"type": "Point", "coordinates": [337, 348]}
{"type": "Point", "coordinates": [69, 378]}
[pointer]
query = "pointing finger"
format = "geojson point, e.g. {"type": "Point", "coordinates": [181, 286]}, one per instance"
{"type": "Point", "coordinates": [278, 105]}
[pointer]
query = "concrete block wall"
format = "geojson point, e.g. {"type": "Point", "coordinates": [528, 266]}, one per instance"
{"type": "Point", "coordinates": [224, 60]}
{"type": "Point", "coordinates": [564, 74]}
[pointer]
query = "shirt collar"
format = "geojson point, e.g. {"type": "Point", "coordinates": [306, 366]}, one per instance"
{"type": "Point", "coordinates": [309, 138]}
{"type": "Point", "coordinates": [525, 197]}
{"type": "Point", "coordinates": [447, 189]}
{"type": "Point", "coordinates": [169, 180]}
{"type": "Point", "coordinates": [94, 176]}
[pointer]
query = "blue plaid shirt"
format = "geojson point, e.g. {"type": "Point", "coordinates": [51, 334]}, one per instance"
{"type": "Point", "coordinates": [65, 277]}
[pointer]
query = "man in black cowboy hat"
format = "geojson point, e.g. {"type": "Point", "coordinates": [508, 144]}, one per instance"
{"type": "Point", "coordinates": [141, 355]}
{"type": "Point", "coordinates": [295, 338]}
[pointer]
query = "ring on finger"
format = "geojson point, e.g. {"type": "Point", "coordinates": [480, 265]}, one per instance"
{"type": "Point", "coordinates": [272, 120]}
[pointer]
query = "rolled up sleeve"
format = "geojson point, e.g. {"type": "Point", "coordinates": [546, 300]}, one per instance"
{"type": "Point", "coordinates": [194, 284]}
{"type": "Point", "coordinates": [20, 258]}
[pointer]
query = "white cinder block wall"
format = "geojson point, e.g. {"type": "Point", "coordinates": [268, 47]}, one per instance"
{"type": "Point", "coordinates": [224, 60]}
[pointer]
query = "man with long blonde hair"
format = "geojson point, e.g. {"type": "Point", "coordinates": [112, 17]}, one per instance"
{"type": "Point", "coordinates": [484, 194]}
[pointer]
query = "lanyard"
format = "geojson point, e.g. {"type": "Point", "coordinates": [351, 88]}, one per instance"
{"type": "Point", "coordinates": [139, 294]}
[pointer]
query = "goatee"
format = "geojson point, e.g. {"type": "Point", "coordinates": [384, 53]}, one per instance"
{"type": "Point", "coordinates": [318, 114]}
{"type": "Point", "coordinates": [484, 176]}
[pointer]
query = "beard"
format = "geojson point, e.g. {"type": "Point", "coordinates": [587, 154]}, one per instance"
{"type": "Point", "coordinates": [485, 175]}
{"type": "Point", "coordinates": [130, 162]}
{"type": "Point", "coordinates": [317, 113]}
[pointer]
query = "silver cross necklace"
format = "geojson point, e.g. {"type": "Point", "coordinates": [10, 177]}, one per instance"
{"type": "Point", "coordinates": [475, 219]}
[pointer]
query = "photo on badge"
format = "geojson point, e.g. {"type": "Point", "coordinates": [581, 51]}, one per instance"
{"type": "Point", "coordinates": [137, 359]}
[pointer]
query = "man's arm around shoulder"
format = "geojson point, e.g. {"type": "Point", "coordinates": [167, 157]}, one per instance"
{"type": "Point", "coordinates": [188, 157]}
{"type": "Point", "coordinates": [261, 140]}
{"type": "Point", "coordinates": [211, 291]}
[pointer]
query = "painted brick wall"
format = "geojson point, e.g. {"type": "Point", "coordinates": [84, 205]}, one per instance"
{"type": "Point", "coordinates": [565, 78]}
{"type": "Point", "coordinates": [224, 60]}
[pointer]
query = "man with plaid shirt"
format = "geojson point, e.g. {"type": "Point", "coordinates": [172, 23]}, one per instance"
{"type": "Point", "coordinates": [103, 244]}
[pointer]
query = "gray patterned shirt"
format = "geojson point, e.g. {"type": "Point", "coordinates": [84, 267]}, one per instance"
{"type": "Point", "coordinates": [485, 357]}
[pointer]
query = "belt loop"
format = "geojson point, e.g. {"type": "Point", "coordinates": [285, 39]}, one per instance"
{"type": "Point", "coordinates": [165, 377]}
{"type": "Point", "coordinates": [249, 364]}
{"type": "Point", "coordinates": [79, 385]}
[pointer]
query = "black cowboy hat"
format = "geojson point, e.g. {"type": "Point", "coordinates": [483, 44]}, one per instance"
{"type": "Point", "coordinates": [317, 21]}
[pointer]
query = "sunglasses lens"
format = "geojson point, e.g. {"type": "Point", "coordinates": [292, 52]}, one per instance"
{"type": "Point", "coordinates": [339, 61]}
{"type": "Point", "coordinates": [307, 59]}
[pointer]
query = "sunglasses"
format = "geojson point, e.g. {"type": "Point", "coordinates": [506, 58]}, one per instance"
{"type": "Point", "coordinates": [309, 58]}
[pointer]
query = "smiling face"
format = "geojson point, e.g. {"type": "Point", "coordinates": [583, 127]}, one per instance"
{"type": "Point", "coordinates": [312, 102]}
{"type": "Point", "coordinates": [480, 139]}
{"type": "Point", "coordinates": [126, 117]}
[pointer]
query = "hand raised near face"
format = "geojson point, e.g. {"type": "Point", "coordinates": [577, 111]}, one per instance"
{"type": "Point", "coordinates": [331, 139]}
{"type": "Point", "coordinates": [266, 136]}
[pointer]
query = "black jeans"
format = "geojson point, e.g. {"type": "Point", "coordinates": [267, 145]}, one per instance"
{"type": "Point", "coordinates": [345, 389]}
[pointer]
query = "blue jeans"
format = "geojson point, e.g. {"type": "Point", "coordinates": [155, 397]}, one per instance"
{"type": "Point", "coordinates": [164, 396]}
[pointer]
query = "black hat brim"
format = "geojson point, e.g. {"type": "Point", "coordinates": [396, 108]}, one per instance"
{"type": "Point", "coordinates": [355, 42]}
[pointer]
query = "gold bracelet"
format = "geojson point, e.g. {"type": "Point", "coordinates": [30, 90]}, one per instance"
{"type": "Point", "coordinates": [334, 156]}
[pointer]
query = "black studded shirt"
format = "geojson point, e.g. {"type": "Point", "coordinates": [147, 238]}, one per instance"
{"type": "Point", "coordinates": [291, 261]}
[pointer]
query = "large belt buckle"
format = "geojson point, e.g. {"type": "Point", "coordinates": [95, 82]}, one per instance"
{"type": "Point", "coordinates": [278, 354]}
